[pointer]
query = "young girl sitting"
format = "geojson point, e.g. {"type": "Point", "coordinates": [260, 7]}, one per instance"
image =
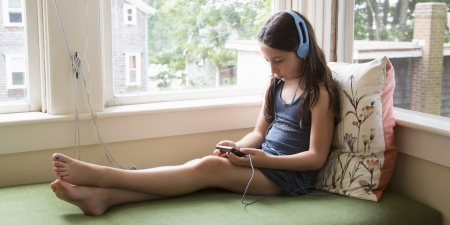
{"type": "Point", "coordinates": [290, 142]}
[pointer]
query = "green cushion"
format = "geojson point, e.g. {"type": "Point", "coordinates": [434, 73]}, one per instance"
{"type": "Point", "coordinates": [37, 204]}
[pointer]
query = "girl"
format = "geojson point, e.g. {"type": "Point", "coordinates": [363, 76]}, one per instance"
{"type": "Point", "coordinates": [290, 142]}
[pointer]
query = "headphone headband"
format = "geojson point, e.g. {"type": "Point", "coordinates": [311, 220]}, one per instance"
{"type": "Point", "coordinates": [303, 47]}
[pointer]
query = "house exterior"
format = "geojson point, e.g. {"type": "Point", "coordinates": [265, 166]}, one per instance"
{"type": "Point", "coordinates": [130, 45]}
{"type": "Point", "coordinates": [13, 74]}
{"type": "Point", "coordinates": [130, 51]}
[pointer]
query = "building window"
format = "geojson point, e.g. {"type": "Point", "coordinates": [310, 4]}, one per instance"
{"type": "Point", "coordinates": [13, 12]}
{"type": "Point", "coordinates": [15, 71]}
{"type": "Point", "coordinates": [133, 69]}
{"type": "Point", "coordinates": [129, 14]}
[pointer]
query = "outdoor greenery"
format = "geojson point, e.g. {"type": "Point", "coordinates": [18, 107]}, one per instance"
{"type": "Point", "coordinates": [384, 20]}
{"type": "Point", "coordinates": [183, 32]}
{"type": "Point", "coordinates": [188, 32]}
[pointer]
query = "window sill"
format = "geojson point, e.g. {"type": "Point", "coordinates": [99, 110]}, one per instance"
{"type": "Point", "coordinates": [15, 119]}
{"type": "Point", "coordinates": [421, 121]}
{"type": "Point", "coordinates": [44, 131]}
{"type": "Point", "coordinates": [127, 123]}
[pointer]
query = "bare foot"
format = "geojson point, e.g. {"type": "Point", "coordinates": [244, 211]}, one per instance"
{"type": "Point", "coordinates": [89, 199]}
{"type": "Point", "coordinates": [77, 172]}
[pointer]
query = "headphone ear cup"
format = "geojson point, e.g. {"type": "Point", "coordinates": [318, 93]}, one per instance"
{"type": "Point", "coordinates": [303, 47]}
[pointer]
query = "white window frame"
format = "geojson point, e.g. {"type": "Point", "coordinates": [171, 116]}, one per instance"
{"type": "Point", "coordinates": [33, 66]}
{"type": "Point", "coordinates": [7, 10]}
{"type": "Point", "coordinates": [9, 71]}
{"type": "Point", "coordinates": [54, 130]}
{"type": "Point", "coordinates": [112, 99]}
{"type": "Point", "coordinates": [133, 15]}
{"type": "Point", "coordinates": [321, 20]}
{"type": "Point", "coordinates": [128, 69]}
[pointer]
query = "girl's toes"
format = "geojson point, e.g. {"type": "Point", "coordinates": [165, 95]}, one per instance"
{"type": "Point", "coordinates": [56, 156]}
{"type": "Point", "coordinates": [61, 158]}
{"type": "Point", "coordinates": [61, 174]}
{"type": "Point", "coordinates": [58, 164]}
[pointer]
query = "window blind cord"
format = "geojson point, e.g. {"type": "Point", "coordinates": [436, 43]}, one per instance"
{"type": "Point", "coordinates": [77, 69]}
{"type": "Point", "coordinates": [77, 145]}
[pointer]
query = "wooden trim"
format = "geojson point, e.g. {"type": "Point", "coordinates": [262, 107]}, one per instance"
{"type": "Point", "coordinates": [334, 29]}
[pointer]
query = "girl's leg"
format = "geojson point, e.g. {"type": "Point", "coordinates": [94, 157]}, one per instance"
{"type": "Point", "coordinates": [94, 201]}
{"type": "Point", "coordinates": [169, 181]}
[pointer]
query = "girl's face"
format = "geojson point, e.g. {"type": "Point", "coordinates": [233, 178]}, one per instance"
{"type": "Point", "coordinates": [284, 65]}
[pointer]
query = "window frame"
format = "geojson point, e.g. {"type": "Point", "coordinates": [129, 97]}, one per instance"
{"type": "Point", "coordinates": [128, 69]}
{"type": "Point", "coordinates": [9, 71]}
{"type": "Point", "coordinates": [33, 53]}
{"type": "Point", "coordinates": [6, 17]}
{"type": "Point", "coordinates": [133, 15]}
{"type": "Point", "coordinates": [112, 99]}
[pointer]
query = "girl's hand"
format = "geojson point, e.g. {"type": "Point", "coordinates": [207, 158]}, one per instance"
{"type": "Point", "coordinates": [259, 158]}
{"type": "Point", "coordinates": [224, 143]}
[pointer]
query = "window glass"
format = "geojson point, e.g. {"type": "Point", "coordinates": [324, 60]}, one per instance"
{"type": "Point", "coordinates": [15, 4]}
{"type": "Point", "coordinates": [132, 72]}
{"type": "Point", "coordinates": [132, 69]}
{"type": "Point", "coordinates": [15, 17]}
{"type": "Point", "coordinates": [13, 74]}
{"type": "Point", "coordinates": [414, 35]}
{"type": "Point", "coordinates": [14, 12]}
{"type": "Point", "coordinates": [129, 12]}
{"type": "Point", "coordinates": [183, 44]}
{"type": "Point", "coordinates": [18, 78]}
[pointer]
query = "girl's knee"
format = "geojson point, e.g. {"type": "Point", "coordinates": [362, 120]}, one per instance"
{"type": "Point", "coordinates": [211, 164]}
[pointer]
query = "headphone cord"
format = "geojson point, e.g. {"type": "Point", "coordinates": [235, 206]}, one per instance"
{"type": "Point", "coordinates": [266, 196]}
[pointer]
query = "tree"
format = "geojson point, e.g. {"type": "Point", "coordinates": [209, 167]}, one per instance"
{"type": "Point", "coordinates": [381, 21]}
{"type": "Point", "coordinates": [184, 32]}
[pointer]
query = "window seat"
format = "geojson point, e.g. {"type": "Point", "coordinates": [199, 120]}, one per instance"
{"type": "Point", "coordinates": [36, 204]}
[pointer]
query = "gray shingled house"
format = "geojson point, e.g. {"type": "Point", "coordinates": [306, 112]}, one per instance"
{"type": "Point", "coordinates": [130, 51]}
{"type": "Point", "coordinates": [130, 45]}
{"type": "Point", "coordinates": [13, 76]}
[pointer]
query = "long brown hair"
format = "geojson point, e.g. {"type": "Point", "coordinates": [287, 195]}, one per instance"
{"type": "Point", "coordinates": [280, 32]}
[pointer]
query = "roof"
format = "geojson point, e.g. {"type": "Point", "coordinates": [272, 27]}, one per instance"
{"type": "Point", "coordinates": [391, 49]}
{"type": "Point", "coordinates": [144, 7]}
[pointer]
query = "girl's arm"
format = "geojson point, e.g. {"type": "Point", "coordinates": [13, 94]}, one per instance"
{"type": "Point", "coordinates": [322, 127]}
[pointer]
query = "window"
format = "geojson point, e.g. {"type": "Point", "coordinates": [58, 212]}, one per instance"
{"type": "Point", "coordinates": [13, 12]}
{"type": "Point", "coordinates": [190, 51]}
{"type": "Point", "coordinates": [129, 14]}
{"type": "Point", "coordinates": [20, 64]}
{"type": "Point", "coordinates": [133, 66]}
{"type": "Point", "coordinates": [415, 36]}
{"type": "Point", "coordinates": [15, 71]}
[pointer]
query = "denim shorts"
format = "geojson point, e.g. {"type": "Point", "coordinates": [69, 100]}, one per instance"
{"type": "Point", "coordinates": [293, 183]}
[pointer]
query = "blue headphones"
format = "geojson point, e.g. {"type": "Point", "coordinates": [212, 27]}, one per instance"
{"type": "Point", "coordinates": [303, 47]}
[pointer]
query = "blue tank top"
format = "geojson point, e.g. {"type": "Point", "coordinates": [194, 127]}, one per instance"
{"type": "Point", "coordinates": [285, 136]}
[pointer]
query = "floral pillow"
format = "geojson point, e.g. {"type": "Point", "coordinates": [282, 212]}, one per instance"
{"type": "Point", "coordinates": [363, 155]}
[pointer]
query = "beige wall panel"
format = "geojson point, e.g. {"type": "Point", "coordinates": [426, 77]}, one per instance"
{"type": "Point", "coordinates": [36, 166]}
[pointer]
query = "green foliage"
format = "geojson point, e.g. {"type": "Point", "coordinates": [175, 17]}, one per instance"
{"type": "Point", "coordinates": [182, 32]}
{"type": "Point", "coordinates": [166, 78]}
{"type": "Point", "coordinates": [391, 28]}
